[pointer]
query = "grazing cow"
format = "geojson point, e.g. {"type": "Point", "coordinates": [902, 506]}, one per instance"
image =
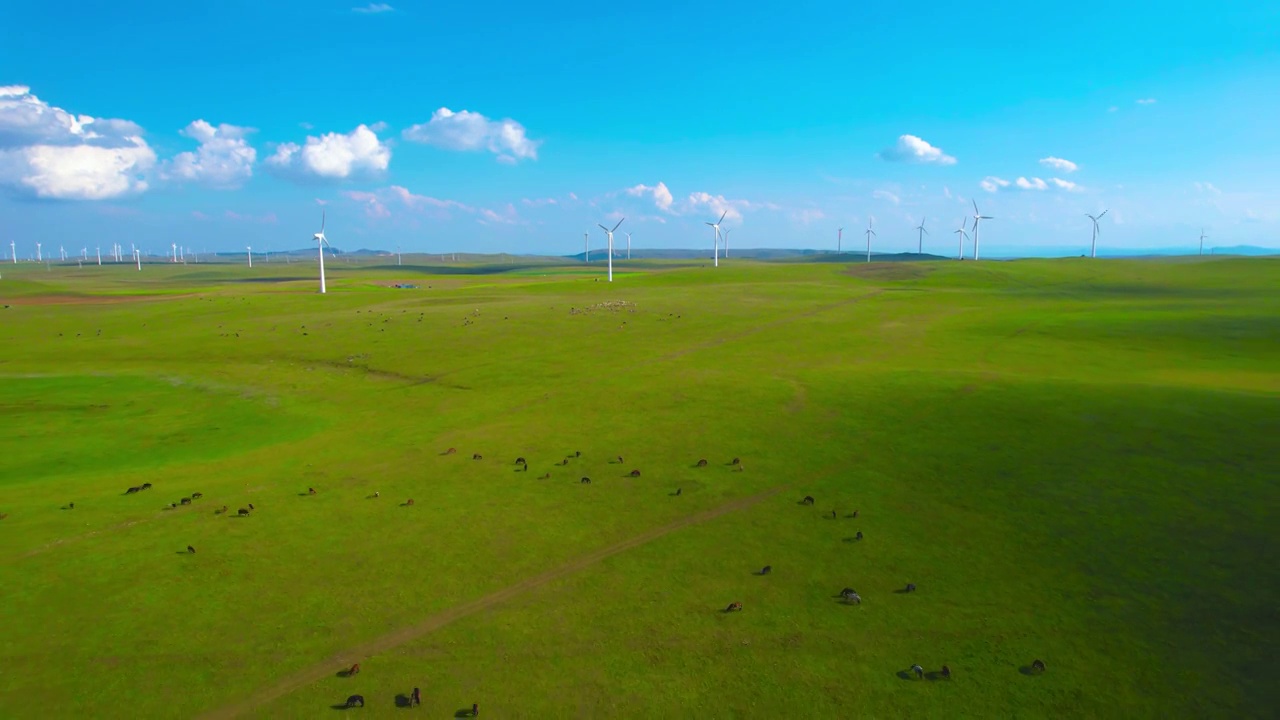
{"type": "Point", "coordinates": [191, 550]}
{"type": "Point", "coordinates": [409, 501]}
{"type": "Point", "coordinates": [196, 496]}
{"type": "Point", "coordinates": [311, 491]}
{"type": "Point", "coordinates": [847, 592]}
{"type": "Point", "coordinates": [520, 461]}
{"type": "Point", "coordinates": [132, 490]}
{"type": "Point", "coordinates": [377, 494]}
{"type": "Point", "coordinates": [855, 514]}
{"type": "Point", "coordinates": [243, 512]}
{"type": "Point", "coordinates": [946, 673]}
{"type": "Point", "coordinates": [702, 462]}
{"type": "Point", "coordinates": [355, 700]}
{"type": "Point", "coordinates": [477, 456]}
{"type": "Point", "coordinates": [1037, 665]}
{"type": "Point", "coordinates": [734, 606]}
{"type": "Point", "coordinates": [475, 709]}
{"type": "Point", "coordinates": [415, 698]}
{"type": "Point", "coordinates": [173, 505]}
{"type": "Point", "coordinates": [451, 451]}
{"type": "Point", "coordinates": [251, 507]}
{"type": "Point", "coordinates": [578, 454]}
{"type": "Point", "coordinates": [833, 514]}
{"type": "Point", "coordinates": [71, 506]}
{"type": "Point", "coordinates": [736, 461]}
{"type": "Point", "coordinates": [678, 491]}
{"type": "Point", "coordinates": [853, 598]}
{"type": "Point", "coordinates": [919, 671]}
{"type": "Point", "coordinates": [808, 500]}
{"type": "Point", "coordinates": [621, 461]}
{"type": "Point", "coordinates": [355, 670]}
{"type": "Point", "coordinates": [585, 481]}
{"type": "Point", "coordinates": [146, 486]}
{"type": "Point", "coordinates": [635, 473]}
{"type": "Point", "coordinates": [911, 587]}
{"type": "Point", "coordinates": [766, 569]}
{"type": "Point", "coordinates": [185, 501]}
{"type": "Point", "coordinates": [858, 536]}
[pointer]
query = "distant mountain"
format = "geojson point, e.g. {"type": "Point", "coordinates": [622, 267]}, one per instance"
{"type": "Point", "coordinates": [794, 254]}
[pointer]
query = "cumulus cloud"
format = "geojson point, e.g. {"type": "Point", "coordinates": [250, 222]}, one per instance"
{"type": "Point", "coordinates": [1034, 183]}
{"type": "Point", "coordinates": [715, 205]}
{"type": "Point", "coordinates": [1146, 101]}
{"type": "Point", "coordinates": [466, 130]}
{"type": "Point", "coordinates": [1065, 185]}
{"type": "Point", "coordinates": [50, 153]}
{"type": "Point", "coordinates": [911, 149]}
{"type": "Point", "coordinates": [1057, 163]}
{"type": "Point", "coordinates": [539, 202]}
{"type": "Point", "coordinates": [379, 203]}
{"type": "Point", "coordinates": [886, 196]}
{"type": "Point", "coordinates": [333, 156]}
{"type": "Point", "coordinates": [224, 159]}
{"type": "Point", "coordinates": [992, 183]}
{"type": "Point", "coordinates": [662, 198]}
{"type": "Point", "coordinates": [373, 9]}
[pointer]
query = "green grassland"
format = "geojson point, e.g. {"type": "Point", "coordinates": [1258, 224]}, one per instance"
{"type": "Point", "coordinates": [1074, 460]}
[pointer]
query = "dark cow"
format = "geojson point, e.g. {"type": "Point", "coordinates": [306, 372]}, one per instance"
{"type": "Point", "coordinates": [355, 700]}
{"type": "Point", "coordinates": [736, 461]}
{"type": "Point", "coordinates": [855, 515]}
{"type": "Point", "coordinates": [409, 501]}
{"type": "Point", "coordinates": [354, 670]}
{"type": "Point", "coordinates": [475, 709]}
{"type": "Point", "coordinates": [521, 461]}
{"type": "Point", "coordinates": [621, 461]}
{"type": "Point", "coordinates": [702, 462]}
{"type": "Point", "coordinates": [808, 500]}
{"type": "Point", "coordinates": [451, 451]}
{"type": "Point", "coordinates": [635, 473]}
{"type": "Point", "coordinates": [243, 512]}
{"type": "Point", "coordinates": [734, 607]}
{"type": "Point", "coordinates": [196, 496]}
{"type": "Point", "coordinates": [477, 456]}
{"type": "Point", "coordinates": [185, 501]}
{"type": "Point", "coordinates": [1037, 666]}
{"type": "Point", "coordinates": [585, 481]}
{"type": "Point", "coordinates": [853, 598]}
{"type": "Point", "coordinates": [858, 536]}
{"type": "Point", "coordinates": [678, 491]}
{"type": "Point", "coordinates": [911, 587]}
{"type": "Point", "coordinates": [847, 592]}
{"type": "Point", "coordinates": [416, 697]}
{"type": "Point", "coordinates": [311, 491]}
{"type": "Point", "coordinates": [251, 507]}
{"type": "Point", "coordinates": [946, 673]}
{"type": "Point", "coordinates": [919, 671]}
{"type": "Point", "coordinates": [71, 506]}
{"type": "Point", "coordinates": [191, 550]}
{"type": "Point", "coordinates": [833, 514]}
{"type": "Point", "coordinates": [766, 569]}
{"type": "Point", "coordinates": [132, 490]}
{"type": "Point", "coordinates": [578, 454]}
{"type": "Point", "coordinates": [146, 486]}
{"type": "Point", "coordinates": [173, 505]}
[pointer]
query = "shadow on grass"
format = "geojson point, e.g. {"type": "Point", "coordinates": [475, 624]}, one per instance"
{"type": "Point", "coordinates": [464, 712]}
{"type": "Point", "coordinates": [403, 701]}
{"type": "Point", "coordinates": [934, 675]}
{"type": "Point", "coordinates": [904, 675]}
{"type": "Point", "coordinates": [1027, 670]}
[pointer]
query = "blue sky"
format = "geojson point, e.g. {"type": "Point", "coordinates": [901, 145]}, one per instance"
{"type": "Point", "coordinates": [496, 128]}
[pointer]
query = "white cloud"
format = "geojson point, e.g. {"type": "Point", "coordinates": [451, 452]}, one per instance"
{"type": "Point", "coordinates": [715, 205]}
{"type": "Point", "coordinates": [223, 160]}
{"type": "Point", "coordinates": [1059, 164]}
{"type": "Point", "coordinates": [1032, 184]}
{"type": "Point", "coordinates": [1065, 185]}
{"type": "Point", "coordinates": [378, 204]}
{"type": "Point", "coordinates": [268, 219]}
{"type": "Point", "coordinates": [886, 196]}
{"type": "Point", "coordinates": [1207, 187]}
{"type": "Point", "coordinates": [333, 155]}
{"type": "Point", "coordinates": [539, 202]}
{"type": "Point", "coordinates": [992, 183]}
{"type": "Point", "coordinates": [1146, 101]}
{"type": "Point", "coordinates": [662, 198]}
{"type": "Point", "coordinates": [50, 153]}
{"type": "Point", "coordinates": [912, 149]}
{"type": "Point", "coordinates": [373, 9]}
{"type": "Point", "coordinates": [466, 130]}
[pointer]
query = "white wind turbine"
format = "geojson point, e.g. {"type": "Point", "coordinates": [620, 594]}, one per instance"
{"type": "Point", "coordinates": [628, 246]}
{"type": "Point", "coordinates": [13, 251]}
{"type": "Point", "coordinates": [398, 262]}
{"type": "Point", "coordinates": [250, 251]}
{"type": "Point", "coordinates": [962, 234]}
{"type": "Point", "coordinates": [321, 241]}
{"type": "Point", "coordinates": [610, 234]}
{"type": "Point", "coordinates": [716, 226]}
{"type": "Point", "coordinates": [62, 252]}
{"type": "Point", "coordinates": [839, 240]}
{"type": "Point", "coordinates": [586, 247]}
{"type": "Point", "coordinates": [921, 234]}
{"type": "Point", "coordinates": [39, 256]}
{"type": "Point", "coordinates": [870, 233]}
{"type": "Point", "coordinates": [1202, 237]}
{"type": "Point", "coordinates": [99, 251]}
{"type": "Point", "coordinates": [726, 244]}
{"type": "Point", "coordinates": [977, 217]}
{"type": "Point", "coordinates": [175, 252]}
{"type": "Point", "coordinates": [1093, 247]}
{"type": "Point", "coordinates": [137, 257]}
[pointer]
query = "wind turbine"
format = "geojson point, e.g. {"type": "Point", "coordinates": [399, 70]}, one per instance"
{"type": "Point", "coordinates": [321, 241]}
{"type": "Point", "coordinates": [39, 257]}
{"type": "Point", "coordinates": [962, 234]}
{"type": "Point", "coordinates": [716, 226]}
{"type": "Point", "coordinates": [586, 246]}
{"type": "Point", "coordinates": [137, 257]}
{"type": "Point", "coordinates": [839, 240]}
{"type": "Point", "coordinates": [398, 263]}
{"type": "Point", "coordinates": [870, 232]}
{"type": "Point", "coordinates": [726, 244]}
{"type": "Point", "coordinates": [922, 233]}
{"type": "Point", "coordinates": [628, 246]}
{"type": "Point", "coordinates": [99, 251]}
{"type": "Point", "coordinates": [977, 216]}
{"type": "Point", "coordinates": [610, 233]}
{"type": "Point", "coordinates": [250, 251]}
{"type": "Point", "coordinates": [1093, 248]}
{"type": "Point", "coordinates": [1202, 237]}
{"type": "Point", "coordinates": [175, 252]}
{"type": "Point", "coordinates": [13, 252]}
{"type": "Point", "coordinates": [63, 253]}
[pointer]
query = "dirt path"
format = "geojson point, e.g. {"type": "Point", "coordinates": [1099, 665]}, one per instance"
{"type": "Point", "coordinates": [345, 658]}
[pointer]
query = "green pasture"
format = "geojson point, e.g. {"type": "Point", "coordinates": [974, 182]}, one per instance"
{"type": "Point", "coordinates": [1074, 460]}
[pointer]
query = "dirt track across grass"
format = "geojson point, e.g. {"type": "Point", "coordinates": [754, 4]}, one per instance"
{"type": "Point", "coordinates": [380, 645]}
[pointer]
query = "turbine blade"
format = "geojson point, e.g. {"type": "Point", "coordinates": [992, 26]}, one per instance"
{"type": "Point", "coordinates": [726, 212]}
{"type": "Point", "coordinates": [615, 227]}
{"type": "Point", "coordinates": [602, 227]}
{"type": "Point", "coordinates": [1104, 212]}
{"type": "Point", "coordinates": [322, 216]}
{"type": "Point", "coordinates": [975, 208]}
{"type": "Point", "coordinates": [711, 224]}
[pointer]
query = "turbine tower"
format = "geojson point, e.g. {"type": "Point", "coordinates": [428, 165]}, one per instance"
{"type": "Point", "coordinates": [977, 217]}
{"type": "Point", "coordinates": [716, 226]}
{"type": "Point", "coordinates": [1202, 237]}
{"type": "Point", "coordinates": [839, 240]}
{"type": "Point", "coordinates": [63, 253]}
{"type": "Point", "coordinates": [962, 234]}
{"type": "Point", "coordinates": [250, 251]}
{"type": "Point", "coordinates": [137, 257]}
{"type": "Point", "coordinates": [628, 246]}
{"type": "Point", "coordinates": [870, 232]}
{"type": "Point", "coordinates": [175, 251]}
{"type": "Point", "coordinates": [726, 244]}
{"type": "Point", "coordinates": [610, 234]}
{"type": "Point", "coordinates": [13, 252]}
{"type": "Point", "coordinates": [1093, 248]}
{"type": "Point", "coordinates": [39, 256]}
{"type": "Point", "coordinates": [586, 247]}
{"type": "Point", "coordinates": [321, 241]}
{"type": "Point", "coordinates": [921, 234]}
{"type": "Point", "coordinates": [99, 251]}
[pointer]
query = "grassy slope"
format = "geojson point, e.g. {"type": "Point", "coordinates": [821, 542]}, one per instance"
{"type": "Point", "coordinates": [1069, 458]}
